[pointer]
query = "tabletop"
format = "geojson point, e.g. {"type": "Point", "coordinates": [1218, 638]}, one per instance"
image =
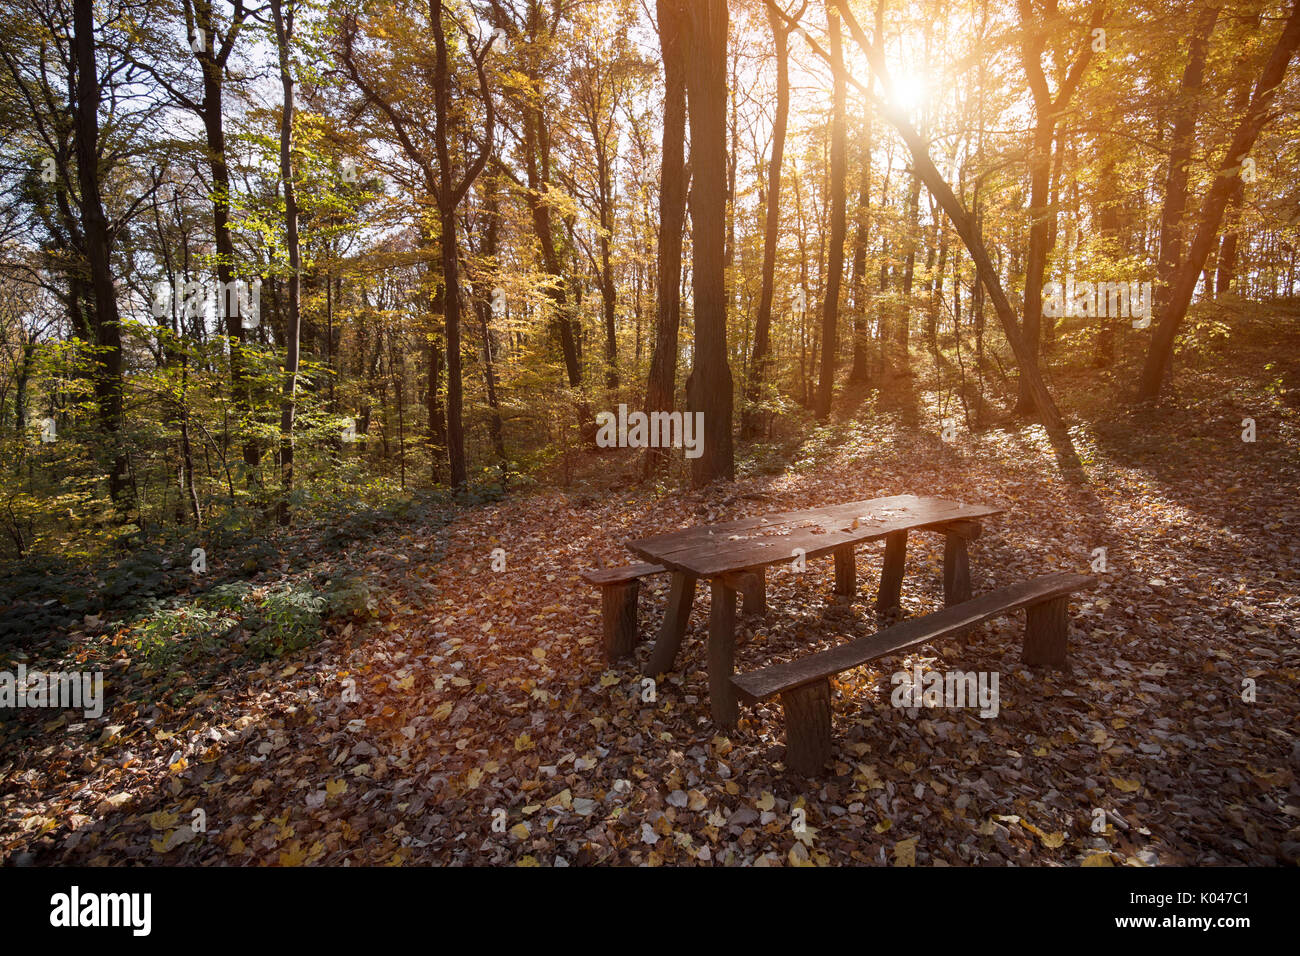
{"type": "Point", "coordinates": [710, 550]}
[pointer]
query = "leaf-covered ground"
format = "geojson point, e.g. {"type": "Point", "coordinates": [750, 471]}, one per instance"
{"type": "Point", "coordinates": [473, 721]}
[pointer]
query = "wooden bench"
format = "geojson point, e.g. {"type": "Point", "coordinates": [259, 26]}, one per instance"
{"type": "Point", "coordinates": [804, 684]}
{"type": "Point", "coordinates": [620, 590]}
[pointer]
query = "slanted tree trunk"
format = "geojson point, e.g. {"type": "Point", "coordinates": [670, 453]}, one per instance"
{"type": "Point", "coordinates": [1183, 285]}
{"type": "Point", "coordinates": [963, 223]}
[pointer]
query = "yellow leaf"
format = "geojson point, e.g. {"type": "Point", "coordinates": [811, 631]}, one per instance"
{"type": "Point", "coordinates": [528, 861]}
{"type": "Point", "coordinates": [162, 820]}
{"type": "Point", "coordinates": [443, 711]}
{"type": "Point", "coordinates": [905, 852]}
{"type": "Point", "coordinates": [766, 802]}
{"type": "Point", "coordinates": [334, 787]}
{"type": "Point", "coordinates": [1126, 786]}
{"type": "Point", "coordinates": [883, 825]}
{"type": "Point", "coordinates": [474, 778]}
{"type": "Point", "coordinates": [524, 742]}
{"type": "Point", "coordinates": [293, 854]}
{"type": "Point", "coordinates": [519, 831]}
{"type": "Point", "coordinates": [1098, 859]}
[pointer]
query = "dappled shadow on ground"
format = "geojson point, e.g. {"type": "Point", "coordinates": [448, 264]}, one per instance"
{"type": "Point", "coordinates": [476, 722]}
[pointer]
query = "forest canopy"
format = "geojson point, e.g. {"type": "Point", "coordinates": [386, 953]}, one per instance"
{"type": "Point", "coordinates": [258, 258]}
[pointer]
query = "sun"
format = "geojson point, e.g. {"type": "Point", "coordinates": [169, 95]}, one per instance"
{"type": "Point", "coordinates": [910, 90]}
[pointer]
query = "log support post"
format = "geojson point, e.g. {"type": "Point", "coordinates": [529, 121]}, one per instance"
{"type": "Point", "coordinates": [846, 573]}
{"type": "Point", "coordinates": [956, 570]}
{"type": "Point", "coordinates": [618, 614]}
{"type": "Point", "coordinates": [722, 653]}
{"type": "Point", "coordinates": [752, 587]}
{"type": "Point", "coordinates": [678, 614]}
{"type": "Point", "coordinates": [1047, 627]}
{"type": "Point", "coordinates": [807, 726]}
{"type": "Point", "coordinates": [891, 574]}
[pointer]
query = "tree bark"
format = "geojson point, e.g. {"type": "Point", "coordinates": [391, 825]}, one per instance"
{"type": "Point", "coordinates": [288, 401]}
{"type": "Point", "coordinates": [98, 250]}
{"type": "Point", "coordinates": [838, 201]}
{"type": "Point", "coordinates": [660, 389]}
{"type": "Point", "coordinates": [1258, 112]}
{"type": "Point", "coordinates": [964, 224]}
{"type": "Point", "coordinates": [708, 389]}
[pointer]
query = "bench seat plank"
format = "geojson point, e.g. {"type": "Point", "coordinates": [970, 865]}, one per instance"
{"type": "Point", "coordinates": [770, 681]}
{"type": "Point", "coordinates": [621, 575]}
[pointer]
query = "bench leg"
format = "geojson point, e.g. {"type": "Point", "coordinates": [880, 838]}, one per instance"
{"type": "Point", "coordinates": [807, 727]}
{"type": "Point", "coordinates": [755, 593]}
{"type": "Point", "coordinates": [846, 573]}
{"type": "Point", "coordinates": [673, 628]}
{"type": "Point", "coordinates": [956, 570]}
{"type": "Point", "coordinates": [618, 614]}
{"type": "Point", "coordinates": [722, 654]}
{"type": "Point", "coordinates": [891, 574]}
{"type": "Point", "coordinates": [1046, 628]}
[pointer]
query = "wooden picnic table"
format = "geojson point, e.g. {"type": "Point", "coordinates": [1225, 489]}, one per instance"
{"type": "Point", "coordinates": [733, 554]}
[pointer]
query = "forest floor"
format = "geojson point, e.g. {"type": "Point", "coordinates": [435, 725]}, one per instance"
{"type": "Point", "coordinates": [481, 697]}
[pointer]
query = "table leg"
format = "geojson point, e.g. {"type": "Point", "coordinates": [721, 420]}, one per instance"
{"type": "Point", "coordinates": [846, 573]}
{"type": "Point", "coordinates": [956, 570]}
{"type": "Point", "coordinates": [755, 593]}
{"type": "Point", "coordinates": [678, 614]}
{"type": "Point", "coordinates": [722, 654]}
{"type": "Point", "coordinates": [891, 574]}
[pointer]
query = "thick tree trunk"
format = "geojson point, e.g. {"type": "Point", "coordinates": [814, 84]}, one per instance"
{"type": "Point", "coordinates": [1182, 140]}
{"type": "Point", "coordinates": [708, 389]}
{"type": "Point", "coordinates": [98, 249]}
{"type": "Point", "coordinates": [660, 389]}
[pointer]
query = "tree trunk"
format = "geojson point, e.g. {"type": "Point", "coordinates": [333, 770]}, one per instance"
{"type": "Point", "coordinates": [288, 401]}
{"type": "Point", "coordinates": [963, 224]}
{"type": "Point", "coordinates": [708, 389]}
{"type": "Point", "coordinates": [838, 201]}
{"type": "Point", "coordinates": [1247, 131]}
{"type": "Point", "coordinates": [660, 389]}
{"type": "Point", "coordinates": [98, 250]}
{"type": "Point", "coordinates": [858, 374]}
{"type": "Point", "coordinates": [751, 419]}
{"type": "Point", "coordinates": [1182, 140]}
